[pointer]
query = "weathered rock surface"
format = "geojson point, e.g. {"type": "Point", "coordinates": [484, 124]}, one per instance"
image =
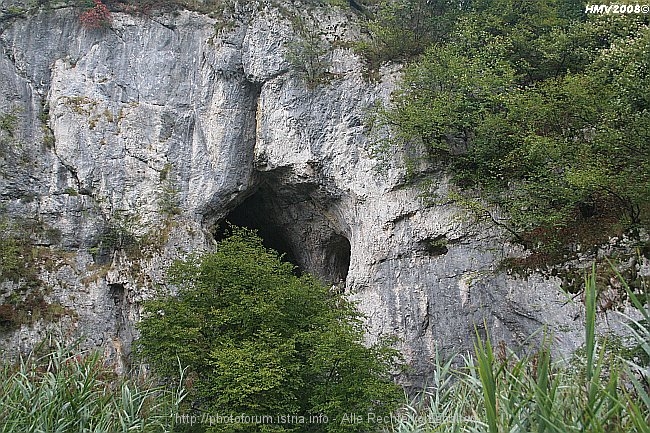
{"type": "Point", "coordinates": [158, 128]}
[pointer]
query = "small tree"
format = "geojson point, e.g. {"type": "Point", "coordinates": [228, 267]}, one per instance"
{"type": "Point", "coordinates": [403, 29]}
{"type": "Point", "coordinates": [261, 341]}
{"type": "Point", "coordinates": [309, 53]}
{"type": "Point", "coordinates": [97, 17]}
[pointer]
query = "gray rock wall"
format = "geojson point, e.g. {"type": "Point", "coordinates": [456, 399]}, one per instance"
{"type": "Point", "coordinates": [159, 127]}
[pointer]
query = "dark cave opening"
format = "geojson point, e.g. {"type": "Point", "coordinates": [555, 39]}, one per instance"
{"type": "Point", "coordinates": [294, 224]}
{"type": "Point", "coordinates": [337, 257]}
{"type": "Point", "coordinates": [252, 214]}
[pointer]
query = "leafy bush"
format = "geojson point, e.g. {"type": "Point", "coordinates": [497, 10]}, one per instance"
{"type": "Point", "coordinates": [261, 341]}
{"type": "Point", "coordinates": [119, 233]}
{"type": "Point", "coordinates": [402, 29]}
{"type": "Point", "coordinates": [9, 123]}
{"type": "Point", "coordinates": [309, 53]}
{"type": "Point", "coordinates": [97, 17]}
{"type": "Point", "coordinates": [543, 118]}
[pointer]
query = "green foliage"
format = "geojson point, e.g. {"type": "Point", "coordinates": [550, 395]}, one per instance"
{"type": "Point", "coordinates": [169, 201]}
{"type": "Point", "coordinates": [261, 341]}
{"type": "Point", "coordinates": [9, 122]}
{"type": "Point", "coordinates": [309, 52]}
{"type": "Point", "coordinates": [12, 252]}
{"type": "Point", "coordinates": [502, 392]}
{"type": "Point", "coordinates": [22, 299]}
{"type": "Point", "coordinates": [638, 362]}
{"type": "Point", "coordinates": [402, 29]}
{"type": "Point", "coordinates": [8, 127]}
{"type": "Point", "coordinates": [14, 11]}
{"type": "Point", "coordinates": [19, 254]}
{"type": "Point", "coordinates": [119, 233]}
{"type": "Point", "coordinates": [67, 390]}
{"type": "Point", "coordinates": [27, 308]}
{"type": "Point", "coordinates": [337, 3]}
{"type": "Point", "coordinates": [485, 366]}
{"type": "Point", "coordinates": [543, 116]}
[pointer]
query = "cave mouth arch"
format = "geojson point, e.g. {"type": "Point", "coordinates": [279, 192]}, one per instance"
{"type": "Point", "coordinates": [297, 225]}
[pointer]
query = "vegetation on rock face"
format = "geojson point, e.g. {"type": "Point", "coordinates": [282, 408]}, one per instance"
{"type": "Point", "coordinates": [22, 292]}
{"type": "Point", "coordinates": [261, 341]}
{"type": "Point", "coordinates": [402, 29]}
{"type": "Point", "coordinates": [309, 53]}
{"type": "Point", "coordinates": [97, 16]}
{"type": "Point", "coordinates": [540, 113]}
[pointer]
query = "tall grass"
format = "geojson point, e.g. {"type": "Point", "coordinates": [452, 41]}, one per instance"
{"type": "Point", "coordinates": [65, 390]}
{"type": "Point", "coordinates": [639, 373]}
{"type": "Point", "coordinates": [496, 391]}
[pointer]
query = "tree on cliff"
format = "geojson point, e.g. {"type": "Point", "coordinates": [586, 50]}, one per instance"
{"type": "Point", "coordinates": [261, 341]}
{"type": "Point", "coordinates": [540, 113]}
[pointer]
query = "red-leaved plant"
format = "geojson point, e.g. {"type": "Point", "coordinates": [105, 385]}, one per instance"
{"type": "Point", "coordinates": [97, 17]}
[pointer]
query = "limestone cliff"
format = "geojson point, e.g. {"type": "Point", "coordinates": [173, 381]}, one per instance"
{"type": "Point", "coordinates": [127, 146]}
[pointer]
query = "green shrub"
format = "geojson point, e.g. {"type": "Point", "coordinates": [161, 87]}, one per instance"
{"type": "Point", "coordinates": [402, 29]}
{"type": "Point", "coordinates": [309, 53]}
{"type": "Point", "coordinates": [542, 119]}
{"type": "Point", "coordinates": [9, 123]}
{"type": "Point", "coordinates": [259, 340]}
{"type": "Point", "coordinates": [119, 232]}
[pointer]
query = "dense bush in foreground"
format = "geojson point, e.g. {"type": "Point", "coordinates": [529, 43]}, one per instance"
{"type": "Point", "coordinates": [261, 341]}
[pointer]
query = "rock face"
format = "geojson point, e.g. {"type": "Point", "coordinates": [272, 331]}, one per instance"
{"type": "Point", "coordinates": [132, 143]}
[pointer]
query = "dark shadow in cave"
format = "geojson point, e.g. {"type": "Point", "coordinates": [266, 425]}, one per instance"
{"type": "Point", "coordinates": [296, 228]}
{"type": "Point", "coordinates": [252, 214]}
{"type": "Point", "coordinates": [337, 257]}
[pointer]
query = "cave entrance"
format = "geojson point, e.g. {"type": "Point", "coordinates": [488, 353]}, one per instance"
{"type": "Point", "coordinates": [252, 214]}
{"type": "Point", "coordinates": [294, 223]}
